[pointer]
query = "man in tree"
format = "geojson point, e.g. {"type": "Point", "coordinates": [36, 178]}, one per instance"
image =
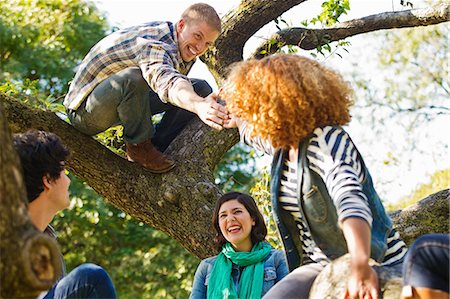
{"type": "Point", "coordinates": [140, 71]}
{"type": "Point", "coordinates": [43, 157]}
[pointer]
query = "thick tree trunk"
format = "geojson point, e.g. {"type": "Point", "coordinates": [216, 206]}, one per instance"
{"type": "Point", "coordinates": [29, 260]}
{"type": "Point", "coordinates": [178, 203]}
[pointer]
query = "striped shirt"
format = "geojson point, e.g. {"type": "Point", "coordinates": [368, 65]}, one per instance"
{"type": "Point", "coordinates": [152, 47]}
{"type": "Point", "coordinates": [331, 154]}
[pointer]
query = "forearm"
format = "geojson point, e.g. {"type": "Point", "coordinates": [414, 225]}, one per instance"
{"type": "Point", "coordinates": [182, 94]}
{"type": "Point", "coordinates": [213, 114]}
{"type": "Point", "coordinates": [363, 280]}
{"type": "Point", "coordinates": [357, 234]}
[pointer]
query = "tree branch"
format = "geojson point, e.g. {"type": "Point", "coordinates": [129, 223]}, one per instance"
{"type": "Point", "coordinates": [178, 203]}
{"type": "Point", "coordinates": [309, 39]}
{"type": "Point", "coordinates": [238, 26]}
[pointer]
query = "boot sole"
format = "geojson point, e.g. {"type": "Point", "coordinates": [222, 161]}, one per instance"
{"type": "Point", "coordinates": [154, 170]}
{"type": "Point", "coordinates": [161, 170]}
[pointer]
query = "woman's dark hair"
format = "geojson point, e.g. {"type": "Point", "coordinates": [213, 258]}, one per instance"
{"type": "Point", "coordinates": [259, 230]}
{"type": "Point", "coordinates": [41, 154]}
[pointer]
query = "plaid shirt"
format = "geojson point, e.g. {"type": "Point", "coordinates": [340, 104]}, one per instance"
{"type": "Point", "coordinates": [153, 47]}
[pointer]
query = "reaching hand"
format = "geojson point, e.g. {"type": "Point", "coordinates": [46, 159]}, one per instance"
{"type": "Point", "coordinates": [230, 122]}
{"type": "Point", "coordinates": [362, 284]}
{"type": "Point", "coordinates": [212, 113]}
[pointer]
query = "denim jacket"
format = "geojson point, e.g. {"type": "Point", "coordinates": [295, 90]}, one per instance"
{"type": "Point", "coordinates": [275, 269]}
{"type": "Point", "coordinates": [320, 214]}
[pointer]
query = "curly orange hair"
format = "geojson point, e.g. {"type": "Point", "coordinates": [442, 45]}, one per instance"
{"type": "Point", "coordinates": [284, 97]}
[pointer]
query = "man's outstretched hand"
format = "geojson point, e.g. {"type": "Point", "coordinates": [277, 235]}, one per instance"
{"type": "Point", "coordinates": [212, 113]}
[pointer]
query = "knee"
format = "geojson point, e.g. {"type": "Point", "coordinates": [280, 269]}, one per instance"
{"type": "Point", "coordinates": [201, 87]}
{"type": "Point", "coordinates": [93, 273]}
{"type": "Point", "coordinates": [133, 77]}
{"type": "Point", "coordinates": [429, 242]}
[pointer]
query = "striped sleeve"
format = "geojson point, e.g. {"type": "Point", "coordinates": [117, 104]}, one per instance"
{"type": "Point", "coordinates": [255, 142]}
{"type": "Point", "coordinates": [396, 249]}
{"type": "Point", "coordinates": [334, 157]}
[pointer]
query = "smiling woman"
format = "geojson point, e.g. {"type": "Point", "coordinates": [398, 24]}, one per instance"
{"type": "Point", "coordinates": [247, 266]}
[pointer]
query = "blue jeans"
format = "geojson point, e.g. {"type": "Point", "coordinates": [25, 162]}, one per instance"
{"type": "Point", "coordinates": [125, 98]}
{"type": "Point", "coordinates": [85, 281]}
{"type": "Point", "coordinates": [426, 264]}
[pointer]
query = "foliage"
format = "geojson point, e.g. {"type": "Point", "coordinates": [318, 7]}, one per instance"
{"type": "Point", "coordinates": [50, 38]}
{"type": "Point", "coordinates": [440, 180]}
{"type": "Point", "coordinates": [143, 262]}
{"type": "Point", "coordinates": [237, 170]}
{"type": "Point", "coordinates": [424, 68]}
{"type": "Point", "coordinates": [331, 11]}
{"type": "Point", "coordinates": [408, 97]}
{"type": "Point", "coordinates": [414, 70]}
{"type": "Point", "coordinates": [261, 193]}
{"type": "Point", "coordinates": [46, 39]}
{"type": "Point", "coordinates": [28, 92]}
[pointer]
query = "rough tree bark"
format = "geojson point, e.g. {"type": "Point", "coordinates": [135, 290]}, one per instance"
{"type": "Point", "coordinates": [431, 214]}
{"type": "Point", "coordinates": [29, 260]}
{"type": "Point", "coordinates": [179, 203]}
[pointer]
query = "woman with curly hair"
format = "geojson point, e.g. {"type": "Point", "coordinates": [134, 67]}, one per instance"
{"type": "Point", "coordinates": [323, 198]}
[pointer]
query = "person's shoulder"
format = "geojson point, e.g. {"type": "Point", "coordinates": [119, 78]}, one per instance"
{"type": "Point", "coordinates": [327, 130]}
{"type": "Point", "coordinates": [155, 24]}
{"type": "Point", "coordinates": [277, 253]}
{"type": "Point", "coordinates": [274, 254]}
{"type": "Point", "coordinates": [275, 258]}
{"type": "Point", "coordinates": [207, 264]}
{"type": "Point", "coordinates": [148, 29]}
{"type": "Point", "coordinates": [162, 26]}
{"type": "Point", "coordinates": [210, 260]}
{"type": "Point", "coordinates": [328, 135]}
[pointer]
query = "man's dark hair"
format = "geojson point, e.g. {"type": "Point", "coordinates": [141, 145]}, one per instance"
{"type": "Point", "coordinates": [41, 154]}
{"type": "Point", "coordinates": [259, 230]}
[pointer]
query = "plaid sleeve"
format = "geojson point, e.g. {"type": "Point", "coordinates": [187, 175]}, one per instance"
{"type": "Point", "coordinates": [159, 71]}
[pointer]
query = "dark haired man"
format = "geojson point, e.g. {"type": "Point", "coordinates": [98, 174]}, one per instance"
{"type": "Point", "coordinates": [140, 71]}
{"type": "Point", "coordinates": [43, 158]}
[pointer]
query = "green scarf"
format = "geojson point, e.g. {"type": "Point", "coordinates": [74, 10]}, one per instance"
{"type": "Point", "coordinates": [221, 285]}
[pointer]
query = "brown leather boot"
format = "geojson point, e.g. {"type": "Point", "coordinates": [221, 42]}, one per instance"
{"type": "Point", "coordinates": [148, 156]}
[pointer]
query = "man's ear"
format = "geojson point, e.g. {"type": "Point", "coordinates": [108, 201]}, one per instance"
{"type": "Point", "coordinates": [46, 182]}
{"type": "Point", "coordinates": [180, 25]}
